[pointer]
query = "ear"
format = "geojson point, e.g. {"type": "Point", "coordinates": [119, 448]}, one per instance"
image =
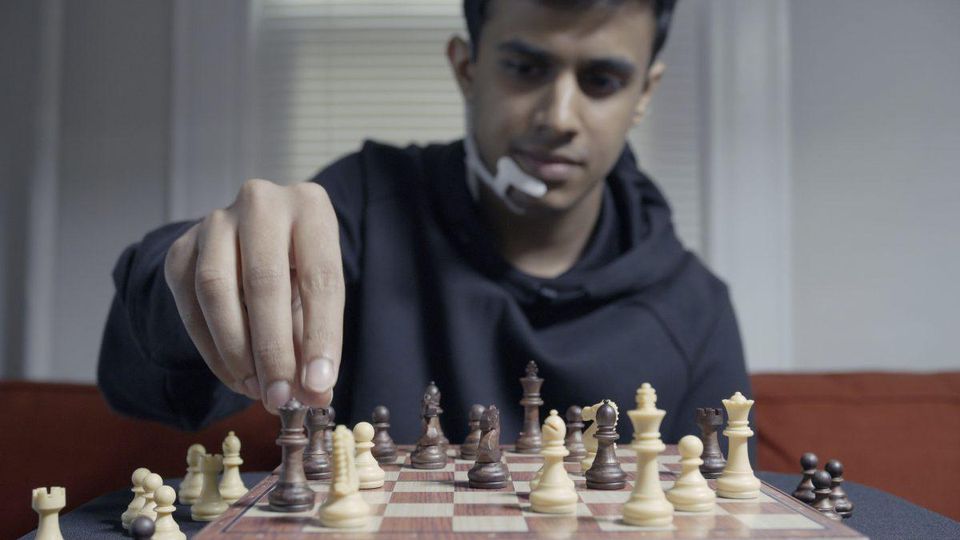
{"type": "Point", "coordinates": [654, 74]}
{"type": "Point", "coordinates": [458, 55]}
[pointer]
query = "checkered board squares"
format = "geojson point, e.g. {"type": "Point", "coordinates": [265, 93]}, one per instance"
{"type": "Point", "coordinates": [420, 504]}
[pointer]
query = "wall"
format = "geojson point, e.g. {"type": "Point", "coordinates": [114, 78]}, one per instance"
{"type": "Point", "coordinates": [19, 33]}
{"type": "Point", "coordinates": [876, 193]}
{"type": "Point", "coordinates": [873, 144]}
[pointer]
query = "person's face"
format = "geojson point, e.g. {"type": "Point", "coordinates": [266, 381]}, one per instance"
{"type": "Point", "coordinates": [557, 89]}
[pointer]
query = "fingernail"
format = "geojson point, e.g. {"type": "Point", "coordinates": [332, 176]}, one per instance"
{"type": "Point", "coordinates": [253, 387]}
{"type": "Point", "coordinates": [319, 376]}
{"type": "Point", "coordinates": [278, 394]}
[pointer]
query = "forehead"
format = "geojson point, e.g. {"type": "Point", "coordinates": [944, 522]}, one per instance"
{"type": "Point", "coordinates": [573, 29]}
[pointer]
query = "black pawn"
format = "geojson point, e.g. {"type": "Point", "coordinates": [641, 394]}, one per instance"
{"type": "Point", "coordinates": [384, 449]}
{"type": "Point", "coordinates": [468, 450]}
{"type": "Point", "coordinates": [804, 491]}
{"type": "Point", "coordinates": [142, 528]}
{"type": "Point", "coordinates": [574, 438]}
{"type": "Point", "coordinates": [606, 472]}
{"type": "Point", "coordinates": [710, 421]}
{"type": "Point", "coordinates": [841, 504]}
{"type": "Point", "coordinates": [316, 460]}
{"type": "Point", "coordinates": [822, 503]}
{"type": "Point", "coordinates": [328, 431]}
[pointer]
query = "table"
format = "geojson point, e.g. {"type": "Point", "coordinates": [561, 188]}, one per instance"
{"type": "Point", "coordinates": [877, 514]}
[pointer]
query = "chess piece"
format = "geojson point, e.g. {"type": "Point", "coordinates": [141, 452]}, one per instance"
{"type": "Point", "coordinates": [841, 504]}
{"type": "Point", "coordinates": [690, 493]}
{"type": "Point", "coordinates": [165, 528]}
{"type": "Point", "coordinates": [530, 440]}
{"type": "Point", "coordinates": [369, 473]}
{"type": "Point", "coordinates": [48, 504]}
{"type": "Point", "coordinates": [433, 394]}
{"type": "Point", "coordinates": [488, 472]}
{"type": "Point", "coordinates": [291, 493]}
{"type": "Point", "coordinates": [710, 419]}
{"type": "Point", "coordinates": [588, 414]}
{"type": "Point", "coordinates": [210, 504]}
{"type": "Point", "coordinates": [821, 491]}
{"type": "Point", "coordinates": [142, 528]}
{"type": "Point", "coordinates": [429, 453]}
{"type": "Point", "coordinates": [804, 491]}
{"type": "Point", "coordinates": [231, 485]}
{"type": "Point", "coordinates": [648, 505]}
{"type": "Point", "coordinates": [133, 509]}
{"type": "Point", "coordinates": [468, 450]}
{"type": "Point", "coordinates": [605, 473]}
{"type": "Point", "coordinates": [151, 484]}
{"type": "Point", "coordinates": [555, 492]}
{"type": "Point", "coordinates": [192, 481]}
{"type": "Point", "coordinates": [316, 460]}
{"type": "Point", "coordinates": [574, 439]}
{"type": "Point", "coordinates": [328, 431]}
{"type": "Point", "coordinates": [344, 507]}
{"type": "Point", "coordinates": [737, 480]}
{"type": "Point", "coordinates": [384, 449]}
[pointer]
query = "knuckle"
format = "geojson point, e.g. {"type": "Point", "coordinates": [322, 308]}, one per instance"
{"type": "Point", "coordinates": [321, 281]}
{"type": "Point", "coordinates": [253, 189]}
{"type": "Point", "coordinates": [271, 353]}
{"type": "Point", "coordinates": [213, 283]}
{"type": "Point", "coordinates": [312, 192]}
{"type": "Point", "coordinates": [264, 278]}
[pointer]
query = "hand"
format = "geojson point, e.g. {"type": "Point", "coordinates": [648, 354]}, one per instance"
{"type": "Point", "coordinates": [259, 286]}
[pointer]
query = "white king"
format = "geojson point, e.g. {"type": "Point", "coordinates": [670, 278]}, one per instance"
{"type": "Point", "coordinates": [648, 505]}
{"type": "Point", "coordinates": [737, 480]}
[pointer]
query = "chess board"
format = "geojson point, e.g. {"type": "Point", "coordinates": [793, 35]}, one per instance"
{"type": "Point", "coordinates": [439, 504]}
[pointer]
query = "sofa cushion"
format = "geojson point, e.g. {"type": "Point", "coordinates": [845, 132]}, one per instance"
{"type": "Point", "coordinates": [899, 432]}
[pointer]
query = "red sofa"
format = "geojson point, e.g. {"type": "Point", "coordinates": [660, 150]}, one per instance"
{"type": "Point", "coordinates": [896, 432]}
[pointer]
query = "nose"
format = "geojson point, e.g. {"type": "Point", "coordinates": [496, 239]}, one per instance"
{"type": "Point", "coordinates": [557, 113]}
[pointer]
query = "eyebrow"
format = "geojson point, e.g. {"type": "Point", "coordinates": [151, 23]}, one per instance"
{"type": "Point", "coordinates": [612, 63]}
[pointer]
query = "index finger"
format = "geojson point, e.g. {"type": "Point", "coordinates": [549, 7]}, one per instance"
{"type": "Point", "coordinates": [316, 249]}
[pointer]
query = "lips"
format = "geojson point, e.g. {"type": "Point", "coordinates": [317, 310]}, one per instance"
{"type": "Point", "coordinates": [547, 167]}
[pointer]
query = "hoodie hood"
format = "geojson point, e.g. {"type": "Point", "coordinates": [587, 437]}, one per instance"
{"type": "Point", "coordinates": [648, 251]}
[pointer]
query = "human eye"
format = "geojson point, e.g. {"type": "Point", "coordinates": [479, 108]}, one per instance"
{"type": "Point", "coordinates": [522, 68]}
{"type": "Point", "coordinates": [602, 84]}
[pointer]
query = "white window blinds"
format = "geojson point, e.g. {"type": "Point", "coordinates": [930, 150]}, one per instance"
{"type": "Point", "coordinates": [330, 73]}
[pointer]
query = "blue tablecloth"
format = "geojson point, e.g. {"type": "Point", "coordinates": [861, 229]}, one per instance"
{"type": "Point", "coordinates": [877, 514]}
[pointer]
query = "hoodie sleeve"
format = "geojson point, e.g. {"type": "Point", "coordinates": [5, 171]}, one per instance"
{"type": "Point", "coordinates": [718, 371]}
{"type": "Point", "coordinates": [149, 367]}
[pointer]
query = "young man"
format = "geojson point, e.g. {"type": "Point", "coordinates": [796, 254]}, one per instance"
{"type": "Point", "coordinates": [536, 238]}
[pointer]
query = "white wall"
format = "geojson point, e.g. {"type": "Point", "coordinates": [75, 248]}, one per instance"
{"type": "Point", "coordinates": [876, 176]}
{"type": "Point", "coordinates": [873, 140]}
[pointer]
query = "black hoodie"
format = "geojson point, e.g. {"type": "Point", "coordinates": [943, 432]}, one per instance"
{"type": "Point", "coordinates": [430, 298]}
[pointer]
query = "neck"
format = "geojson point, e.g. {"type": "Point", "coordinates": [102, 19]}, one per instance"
{"type": "Point", "coordinates": [544, 244]}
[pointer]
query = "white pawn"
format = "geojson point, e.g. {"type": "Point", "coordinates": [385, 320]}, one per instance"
{"type": "Point", "coordinates": [165, 527]}
{"type": "Point", "coordinates": [231, 485]}
{"type": "Point", "coordinates": [737, 480]}
{"type": "Point", "coordinates": [344, 507]}
{"type": "Point", "coordinates": [192, 481]}
{"type": "Point", "coordinates": [369, 473]}
{"type": "Point", "coordinates": [150, 485]}
{"type": "Point", "coordinates": [690, 492]}
{"type": "Point", "coordinates": [48, 504]}
{"type": "Point", "coordinates": [133, 509]}
{"type": "Point", "coordinates": [211, 504]}
{"type": "Point", "coordinates": [555, 492]}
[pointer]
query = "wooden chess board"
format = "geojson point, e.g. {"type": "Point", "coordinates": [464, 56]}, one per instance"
{"type": "Point", "coordinates": [439, 504]}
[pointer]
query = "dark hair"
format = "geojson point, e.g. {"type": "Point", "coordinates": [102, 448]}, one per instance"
{"type": "Point", "coordinates": [475, 11]}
